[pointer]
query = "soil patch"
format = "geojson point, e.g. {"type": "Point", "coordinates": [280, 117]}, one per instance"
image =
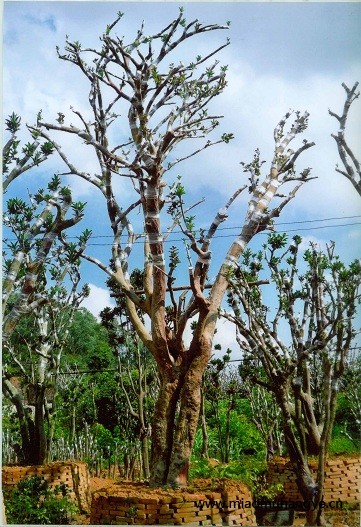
{"type": "Point", "coordinates": [142, 489]}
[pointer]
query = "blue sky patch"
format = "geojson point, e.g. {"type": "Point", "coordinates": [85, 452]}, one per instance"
{"type": "Point", "coordinates": [48, 22]}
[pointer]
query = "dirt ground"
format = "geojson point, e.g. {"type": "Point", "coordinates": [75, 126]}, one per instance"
{"type": "Point", "coordinates": [340, 518]}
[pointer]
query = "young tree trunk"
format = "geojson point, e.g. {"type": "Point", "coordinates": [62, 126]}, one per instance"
{"type": "Point", "coordinates": [145, 456]}
{"type": "Point", "coordinates": [73, 424]}
{"type": "Point", "coordinates": [227, 435]}
{"type": "Point", "coordinates": [270, 450]}
{"type": "Point", "coordinates": [143, 437]}
{"type": "Point", "coordinates": [203, 422]}
{"type": "Point", "coordinates": [51, 419]}
{"type": "Point", "coordinates": [40, 442]}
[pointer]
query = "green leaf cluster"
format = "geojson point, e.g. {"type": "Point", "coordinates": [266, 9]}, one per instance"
{"type": "Point", "coordinates": [33, 501]}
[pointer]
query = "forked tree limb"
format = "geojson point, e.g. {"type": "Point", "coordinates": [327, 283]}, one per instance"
{"type": "Point", "coordinates": [350, 163]}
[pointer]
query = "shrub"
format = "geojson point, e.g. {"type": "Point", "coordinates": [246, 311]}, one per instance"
{"type": "Point", "coordinates": [32, 501]}
{"type": "Point", "coordinates": [248, 470]}
{"type": "Point", "coordinates": [251, 471]}
{"type": "Point", "coordinates": [343, 445]}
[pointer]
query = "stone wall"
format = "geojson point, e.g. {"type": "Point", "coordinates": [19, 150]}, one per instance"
{"type": "Point", "coordinates": [74, 474]}
{"type": "Point", "coordinates": [342, 479]}
{"type": "Point", "coordinates": [176, 507]}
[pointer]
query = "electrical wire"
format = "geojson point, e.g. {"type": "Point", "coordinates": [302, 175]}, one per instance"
{"type": "Point", "coordinates": [173, 240]}
{"type": "Point", "coordinates": [299, 222]}
{"type": "Point", "coordinates": [218, 236]}
{"type": "Point", "coordinates": [239, 226]}
{"type": "Point", "coordinates": [116, 370]}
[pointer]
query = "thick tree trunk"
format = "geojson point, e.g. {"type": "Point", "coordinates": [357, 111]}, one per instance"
{"type": "Point", "coordinates": [176, 416]}
{"type": "Point", "coordinates": [186, 427]}
{"type": "Point", "coordinates": [311, 495]}
{"type": "Point", "coordinates": [162, 430]}
{"type": "Point", "coordinates": [312, 442]}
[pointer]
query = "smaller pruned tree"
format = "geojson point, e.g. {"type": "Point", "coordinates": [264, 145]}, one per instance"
{"type": "Point", "coordinates": [351, 392]}
{"type": "Point", "coordinates": [33, 353]}
{"type": "Point", "coordinates": [136, 367]}
{"type": "Point", "coordinates": [32, 154]}
{"type": "Point", "coordinates": [32, 227]}
{"type": "Point", "coordinates": [316, 307]}
{"type": "Point", "coordinates": [265, 413]}
{"type": "Point", "coordinates": [40, 282]}
{"type": "Point", "coordinates": [221, 387]}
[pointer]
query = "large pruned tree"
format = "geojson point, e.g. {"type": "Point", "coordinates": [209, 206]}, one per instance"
{"type": "Point", "coordinates": [164, 102]}
{"type": "Point", "coordinates": [301, 343]}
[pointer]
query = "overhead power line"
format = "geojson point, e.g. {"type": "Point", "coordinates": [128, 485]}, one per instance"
{"type": "Point", "coordinates": [173, 240]}
{"type": "Point", "coordinates": [78, 372]}
{"type": "Point", "coordinates": [178, 231]}
{"type": "Point", "coordinates": [236, 227]}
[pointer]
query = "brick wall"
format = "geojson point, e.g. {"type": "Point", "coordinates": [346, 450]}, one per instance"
{"type": "Point", "coordinates": [342, 479]}
{"type": "Point", "coordinates": [176, 509]}
{"type": "Point", "coordinates": [74, 474]}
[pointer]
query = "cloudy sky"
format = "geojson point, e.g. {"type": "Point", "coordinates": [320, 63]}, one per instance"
{"type": "Point", "coordinates": [282, 56]}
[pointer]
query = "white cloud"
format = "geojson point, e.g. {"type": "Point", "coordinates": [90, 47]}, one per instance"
{"type": "Point", "coordinates": [253, 104]}
{"type": "Point", "coordinates": [225, 335]}
{"type": "Point", "coordinates": [308, 241]}
{"type": "Point", "coordinates": [254, 101]}
{"type": "Point", "coordinates": [98, 299]}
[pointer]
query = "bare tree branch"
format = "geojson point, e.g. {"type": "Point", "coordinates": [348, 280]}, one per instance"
{"type": "Point", "coordinates": [351, 164]}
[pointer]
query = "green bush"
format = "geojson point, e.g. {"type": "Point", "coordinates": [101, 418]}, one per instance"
{"type": "Point", "coordinates": [34, 502]}
{"type": "Point", "coordinates": [251, 471]}
{"type": "Point", "coordinates": [343, 445]}
{"type": "Point", "coordinates": [244, 438]}
{"type": "Point", "coordinates": [248, 470]}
